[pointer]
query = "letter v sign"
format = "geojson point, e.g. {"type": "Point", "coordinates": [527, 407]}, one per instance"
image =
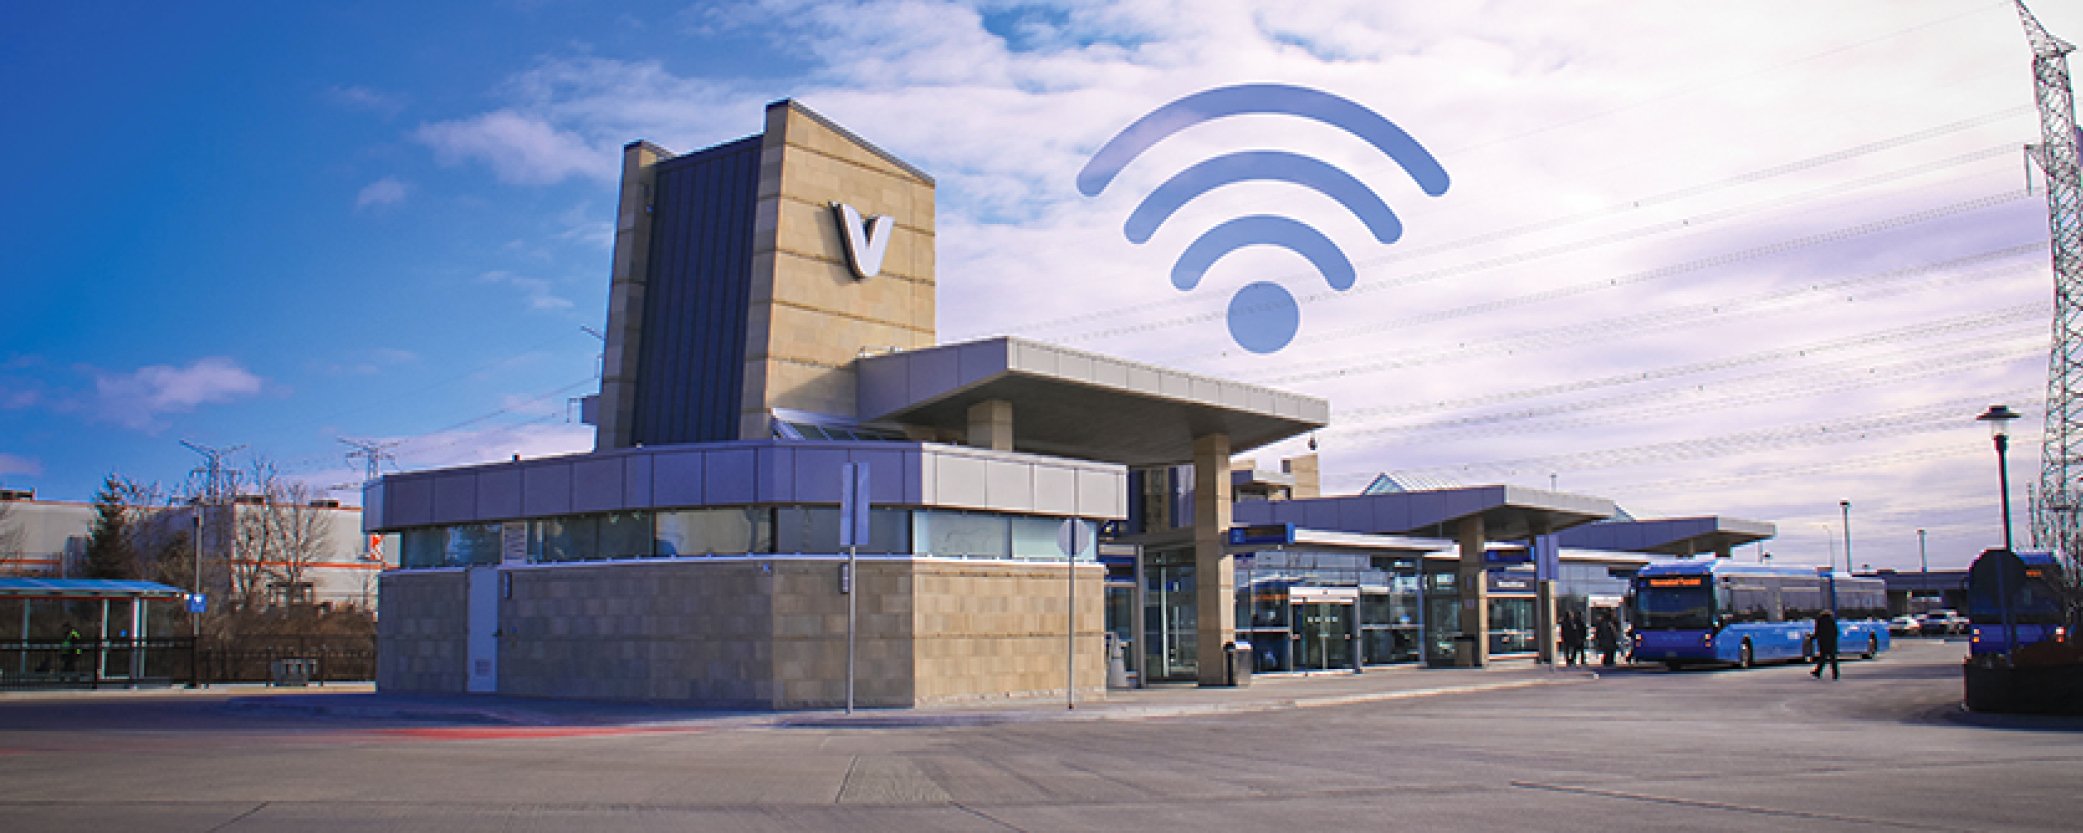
{"type": "Point", "coordinates": [866, 242]}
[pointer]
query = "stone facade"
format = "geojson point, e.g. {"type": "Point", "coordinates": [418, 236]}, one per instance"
{"type": "Point", "coordinates": [756, 633]}
{"type": "Point", "coordinates": [810, 317]}
{"type": "Point", "coordinates": [420, 639]}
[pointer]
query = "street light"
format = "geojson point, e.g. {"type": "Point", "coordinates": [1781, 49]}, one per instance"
{"type": "Point", "coordinates": [1923, 555]}
{"type": "Point", "coordinates": [1999, 418]}
{"type": "Point", "coordinates": [1846, 505]}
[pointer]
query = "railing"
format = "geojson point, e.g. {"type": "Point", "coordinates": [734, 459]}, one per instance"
{"type": "Point", "coordinates": [86, 663]}
{"type": "Point", "coordinates": [161, 662]}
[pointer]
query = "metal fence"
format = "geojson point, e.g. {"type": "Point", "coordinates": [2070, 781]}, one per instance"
{"type": "Point", "coordinates": [145, 663]}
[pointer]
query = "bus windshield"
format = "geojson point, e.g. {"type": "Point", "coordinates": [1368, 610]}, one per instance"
{"type": "Point", "coordinates": [1674, 607]}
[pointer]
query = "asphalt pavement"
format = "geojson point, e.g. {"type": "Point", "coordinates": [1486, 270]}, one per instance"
{"type": "Point", "coordinates": [1512, 746]}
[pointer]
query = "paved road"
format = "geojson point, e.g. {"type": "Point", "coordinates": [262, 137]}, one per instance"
{"type": "Point", "coordinates": [1768, 750]}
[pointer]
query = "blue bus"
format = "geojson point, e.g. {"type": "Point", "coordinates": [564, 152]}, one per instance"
{"type": "Point", "coordinates": [2031, 583]}
{"type": "Point", "coordinates": [1718, 611]}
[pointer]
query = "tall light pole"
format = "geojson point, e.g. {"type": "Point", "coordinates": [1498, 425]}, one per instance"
{"type": "Point", "coordinates": [1846, 505]}
{"type": "Point", "coordinates": [1999, 418]}
{"type": "Point", "coordinates": [1923, 555]}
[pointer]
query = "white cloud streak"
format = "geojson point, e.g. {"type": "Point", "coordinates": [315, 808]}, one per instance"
{"type": "Point", "coordinates": [140, 398]}
{"type": "Point", "coordinates": [382, 192]}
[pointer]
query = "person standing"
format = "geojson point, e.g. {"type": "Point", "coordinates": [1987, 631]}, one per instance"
{"type": "Point", "coordinates": [1572, 638]}
{"type": "Point", "coordinates": [1608, 636]}
{"type": "Point", "coordinates": [1825, 644]}
{"type": "Point", "coordinates": [69, 650]}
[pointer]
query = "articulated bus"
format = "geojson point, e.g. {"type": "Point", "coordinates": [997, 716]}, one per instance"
{"type": "Point", "coordinates": [2031, 582]}
{"type": "Point", "coordinates": [1718, 611]}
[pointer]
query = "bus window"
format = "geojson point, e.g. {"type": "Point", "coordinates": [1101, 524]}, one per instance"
{"type": "Point", "coordinates": [1746, 602]}
{"type": "Point", "coordinates": [1674, 607]}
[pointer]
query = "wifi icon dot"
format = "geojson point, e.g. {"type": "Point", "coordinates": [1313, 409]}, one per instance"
{"type": "Point", "coordinates": [1263, 316]}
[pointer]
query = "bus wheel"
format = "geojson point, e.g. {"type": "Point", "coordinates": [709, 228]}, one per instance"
{"type": "Point", "coordinates": [1743, 655]}
{"type": "Point", "coordinates": [1872, 646]}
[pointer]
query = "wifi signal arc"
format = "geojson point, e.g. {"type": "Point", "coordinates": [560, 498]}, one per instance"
{"type": "Point", "coordinates": [1249, 165]}
{"type": "Point", "coordinates": [1263, 316]}
{"type": "Point", "coordinates": [1261, 99]}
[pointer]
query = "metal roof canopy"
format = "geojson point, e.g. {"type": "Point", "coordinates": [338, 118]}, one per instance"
{"type": "Point", "coordinates": [1071, 403]}
{"type": "Point", "coordinates": [1704, 535]}
{"type": "Point", "coordinates": [86, 588]}
{"type": "Point", "coordinates": [1508, 512]}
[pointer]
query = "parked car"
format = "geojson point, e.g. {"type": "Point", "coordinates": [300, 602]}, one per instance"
{"type": "Point", "coordinates": [1905, 626]}
{"type": "Point", "coordinates": [1942, 621]}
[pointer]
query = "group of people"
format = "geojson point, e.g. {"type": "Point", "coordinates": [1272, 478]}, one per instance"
{"type": "Point", "coordinates": [1604, 633]}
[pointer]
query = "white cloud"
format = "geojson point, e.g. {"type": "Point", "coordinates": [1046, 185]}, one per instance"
{"type": "Point", "coordinates": [364, 98]}
{"type": "Point", "coordinates": [137, 399]}
{"type": "Point", "coordinates": [536, 292]}
{"type": "Point", "coordinates": [382, 192]}
{"type": "Point", "coordinates": [17, 464]}
{"type": "Point", "coordinates": [521, 150]}
{"type": "Point", "coordinates": [530, 440]}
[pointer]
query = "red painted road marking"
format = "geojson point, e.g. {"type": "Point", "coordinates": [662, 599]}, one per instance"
{"type": "Point", "coordinates": [519, 732]}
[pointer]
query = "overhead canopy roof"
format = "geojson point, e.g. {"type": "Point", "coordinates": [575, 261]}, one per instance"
{"type": "Point", "coordinates": [1670, 536]}
{"type": "Point", "coordinates": [1071, 403]}
{"type": "Point", "coordinates": [86, 588]}
{"type": "Point", "coordinates": [1508, 512]}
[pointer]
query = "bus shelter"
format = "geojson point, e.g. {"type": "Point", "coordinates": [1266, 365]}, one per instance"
{"type": "Point", "coordinates": [91, 633]}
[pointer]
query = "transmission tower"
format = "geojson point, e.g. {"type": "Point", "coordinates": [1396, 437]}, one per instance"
{"type": "Point", "coordinates": [2061, 472]}
{"type": "Point", "coordinates": [371, 452]}
{"type": "Point", "coordinates": [216, 476]}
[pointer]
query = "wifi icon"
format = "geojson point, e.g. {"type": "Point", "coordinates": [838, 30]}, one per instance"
{"type": "Point", "coordinates": [1263, 316]}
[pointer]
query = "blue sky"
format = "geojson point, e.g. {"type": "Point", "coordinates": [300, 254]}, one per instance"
{"type": "Point", "coordinates": [1684, 245]}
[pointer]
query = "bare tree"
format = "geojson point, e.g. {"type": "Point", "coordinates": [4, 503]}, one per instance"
{"type": "Point", "coordinates": [278, 537]}
{"type": "Point", "coordinates": [13, 539]}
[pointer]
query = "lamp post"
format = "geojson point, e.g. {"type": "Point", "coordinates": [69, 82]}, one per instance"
{"type": "Point", "coordinates": [1999, 418]}
{"type": "Point", "coordinates": [1923, 555]}
{"type": "Point", "coordinates": [1846, 505]}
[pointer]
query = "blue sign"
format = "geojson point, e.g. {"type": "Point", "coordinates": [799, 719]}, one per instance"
{"type": "Point", "coordinates": [1262, 535]}
{"type": "Point", "coordinates": [198, 603]}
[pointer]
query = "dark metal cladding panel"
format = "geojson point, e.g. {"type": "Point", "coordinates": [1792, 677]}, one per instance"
{"type": "Point", "coordinates": [691, 363]}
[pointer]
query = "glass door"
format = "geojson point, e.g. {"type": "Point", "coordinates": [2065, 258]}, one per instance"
{"type": "Point", "coordinates": [1169, 622]}
{"type": "Point", "coordinates": [1323, 635]}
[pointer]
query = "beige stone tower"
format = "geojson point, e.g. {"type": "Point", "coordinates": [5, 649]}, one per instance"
{"type": "Point", "coordinates": [735, 291]}
{"type": "Point", "coordinates": [811, 315]}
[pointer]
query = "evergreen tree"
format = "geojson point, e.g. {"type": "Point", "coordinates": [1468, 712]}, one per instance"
{"type": "Point", "coordinates": [112, 551]}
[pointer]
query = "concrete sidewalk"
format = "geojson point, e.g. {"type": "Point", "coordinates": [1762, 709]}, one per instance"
{"type": "Point", "coordinates": [1266, 693]}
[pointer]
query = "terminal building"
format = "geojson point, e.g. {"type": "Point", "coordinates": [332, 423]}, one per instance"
{"type": "Point", "coordinates": [771, 322]}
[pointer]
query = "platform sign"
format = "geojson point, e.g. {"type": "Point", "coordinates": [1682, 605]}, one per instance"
{"type": "Point", "coordinates": [198, 603]}
{"type": "Point", "coordinates": [853, 504]}
{"type": "Point", "coordinates": [1262, 535]}
{"type": "Point", "coordinates": [1073, 537]}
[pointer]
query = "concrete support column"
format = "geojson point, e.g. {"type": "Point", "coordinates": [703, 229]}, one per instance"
{"type": "Point", "coordinates": [991, 425]}
{"type": "Point", "coordinates": [1472, 579]}
{"type": "Point", "coordinates": [1723, 550]}
{"type": "Point", "coordinates": [1544, 603]}
{"type": "Point", "coordinates": [1215, 579]}
{"type": "Point", "coordinates": [632, 269]}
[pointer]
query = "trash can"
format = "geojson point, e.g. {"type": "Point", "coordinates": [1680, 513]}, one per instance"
{"type": "Point", "coordinates": [1465, 651]}
{"type": "Point", "coordinates": [1117, 662]}
{"type": "Point", "coordinates": [290, 672]}
{"type": "Point", "coordinates": [1236, 658]}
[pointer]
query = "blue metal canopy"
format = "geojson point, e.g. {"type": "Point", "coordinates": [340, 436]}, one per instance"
{"type": "Point", "coordinates": [86, 588]}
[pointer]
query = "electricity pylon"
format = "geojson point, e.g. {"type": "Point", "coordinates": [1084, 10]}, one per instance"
{"type": "Point", "coordinates": [2055, 524]}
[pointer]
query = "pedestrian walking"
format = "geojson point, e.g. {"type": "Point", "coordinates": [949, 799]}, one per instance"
{"type": "Point", "coordinates": [1825, 644]}
{"type": "Point", "coordinates": [69, 650]}
{"type": "Point", "coordinates": [1608, 636]}
{"type": "Point", "coordinates": [1573, 637]}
